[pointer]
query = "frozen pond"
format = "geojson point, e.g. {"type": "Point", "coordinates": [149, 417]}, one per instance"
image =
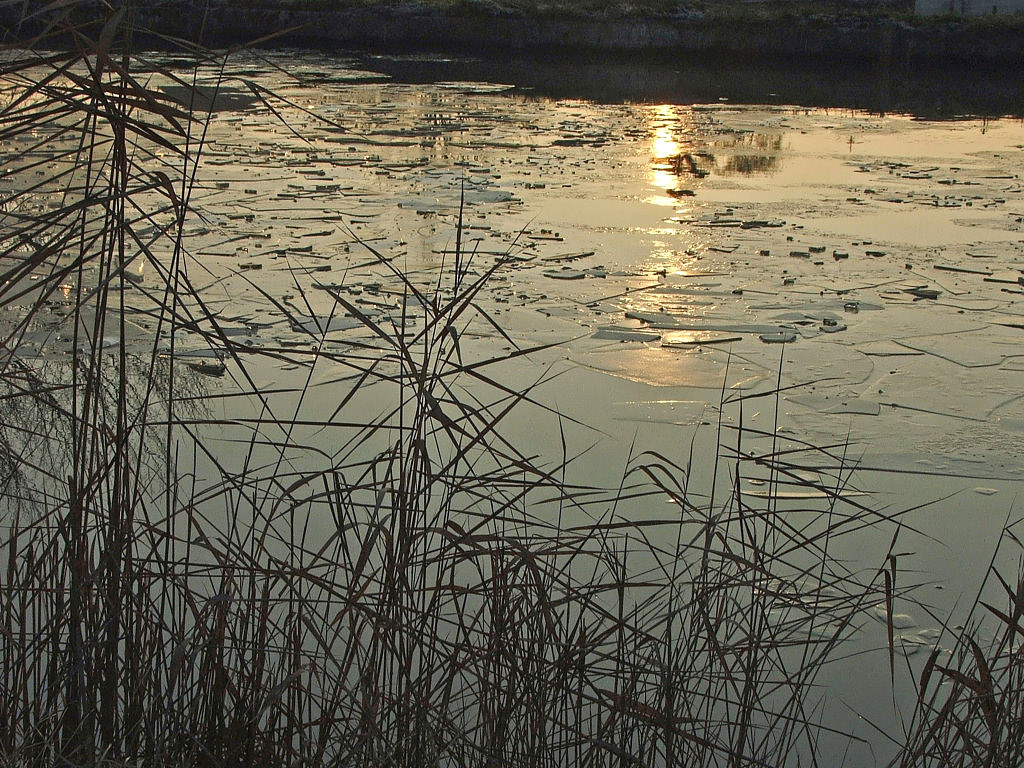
{"type": "Point", "coordinates": [661, 244]}
{"type": "Point", "coordinates": [667, 260]}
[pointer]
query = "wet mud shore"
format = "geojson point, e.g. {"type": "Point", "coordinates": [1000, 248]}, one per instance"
{"type": "Point", "coordinates": [885, 39]}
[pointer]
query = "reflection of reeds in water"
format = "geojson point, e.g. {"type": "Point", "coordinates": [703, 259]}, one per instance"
{"type": "Point", "coordinates": [747, 165]}
{"type": "Point", "coordinates": [431, 595]}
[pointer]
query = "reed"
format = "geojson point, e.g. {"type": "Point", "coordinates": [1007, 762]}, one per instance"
{"type": "Point", "coordinates": [969, 701]}
{"type": "Point", "coordinates": [428, 593]}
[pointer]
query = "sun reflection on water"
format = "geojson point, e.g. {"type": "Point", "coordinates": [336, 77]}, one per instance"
{"type": "Point", "coordinates": [681, 154]}
{"type": "Point", "coordinates": [671, 129]}
{"type": "Point", "coordinates": [670, 126]}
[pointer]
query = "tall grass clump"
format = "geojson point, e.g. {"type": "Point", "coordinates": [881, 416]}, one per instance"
{"type": "Point", "coordinates": [200, 575]}
{"type": "Point", "coordinates": [970, 701]}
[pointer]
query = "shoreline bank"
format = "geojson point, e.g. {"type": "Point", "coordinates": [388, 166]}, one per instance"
{"type": "Point", "coordinates": [884, 40]}
{"type": "Point", "coordinates": [756, 32]}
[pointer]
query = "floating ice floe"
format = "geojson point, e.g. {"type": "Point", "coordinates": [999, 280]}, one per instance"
{"type": "Point", "coordinates": [899, 620]}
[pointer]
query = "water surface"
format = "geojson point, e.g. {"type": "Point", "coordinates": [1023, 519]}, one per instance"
{"type": "Point", "coordinates": [682, 238]}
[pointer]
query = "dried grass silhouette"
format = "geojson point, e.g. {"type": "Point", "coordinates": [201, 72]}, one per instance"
{"type": "Point", "coordinates": [164, 603]}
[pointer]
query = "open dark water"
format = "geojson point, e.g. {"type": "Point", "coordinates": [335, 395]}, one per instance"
{"type": "Point", "coordinates": [900, 87]}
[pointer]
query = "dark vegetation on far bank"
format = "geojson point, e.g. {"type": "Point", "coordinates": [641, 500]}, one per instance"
{"type": "Point", "coordinates": [881, 32]}
{"type": "Point", "coordinates": [161, 604]}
